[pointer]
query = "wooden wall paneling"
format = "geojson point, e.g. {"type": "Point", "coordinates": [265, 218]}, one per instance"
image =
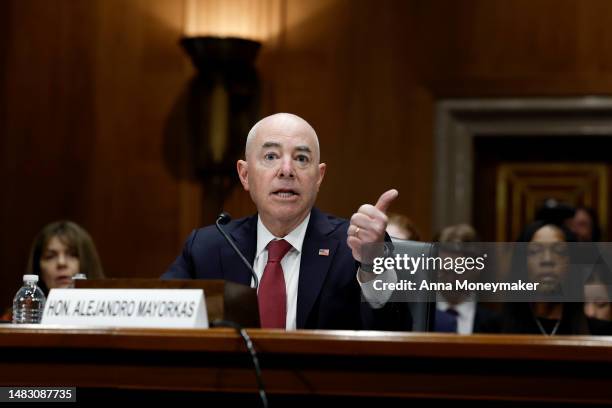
{"type": "Point", "coordinates": [48, 126]}
{"type": "Point", "coordinates": [89, 87]}
{"type": "Point", "coordinates": [346, 68]}
{"type": "Point", "coordinates": [136, 205]}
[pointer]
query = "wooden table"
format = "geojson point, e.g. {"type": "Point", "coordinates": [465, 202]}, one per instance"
{"type": "Point", "coordinates": [490, 368]}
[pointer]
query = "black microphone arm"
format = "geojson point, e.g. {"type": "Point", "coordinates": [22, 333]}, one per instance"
{"type": "Point", "coordinates": [223, 219]}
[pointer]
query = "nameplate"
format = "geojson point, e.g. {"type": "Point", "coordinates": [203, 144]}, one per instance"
{"type": "Point", "coordinates": [154, 308]}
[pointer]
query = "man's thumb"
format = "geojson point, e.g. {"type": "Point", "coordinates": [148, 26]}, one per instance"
{"type": "Point", "coordinates": [385, 200]}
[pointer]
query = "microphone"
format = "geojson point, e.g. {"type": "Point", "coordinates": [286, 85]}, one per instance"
{"type": "Point", "coordinates": [223, 219]}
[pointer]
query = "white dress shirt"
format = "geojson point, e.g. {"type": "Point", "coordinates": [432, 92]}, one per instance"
{"type": "Point", "coordinates": [291, 269]}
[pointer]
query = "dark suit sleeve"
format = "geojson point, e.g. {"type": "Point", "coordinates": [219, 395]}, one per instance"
{"type": "Point", "coordinates": [397, 313]}
{"type": "Point", "coordinates": [391, 317]}
{"type": "Point", "coordinates": [182, 267]}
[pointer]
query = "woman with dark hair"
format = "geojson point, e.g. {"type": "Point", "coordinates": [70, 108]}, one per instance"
{"type": "Point", "coordinates": [61, 250]}
{"type": "Point", "coordinates": [585, 224]}
{"type": "Point", "coordinates": [546, 259]}
{"type": "Point", "coordinates": [597, 293]}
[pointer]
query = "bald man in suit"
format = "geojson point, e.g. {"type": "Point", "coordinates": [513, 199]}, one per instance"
{"type": "Point", "coordinates": [308, 262]}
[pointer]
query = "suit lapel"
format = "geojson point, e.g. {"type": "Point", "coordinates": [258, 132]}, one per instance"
{"type": "Point", "coordinates": [314, 267]}
{"type": "Point", "coordinates": [245, 237]}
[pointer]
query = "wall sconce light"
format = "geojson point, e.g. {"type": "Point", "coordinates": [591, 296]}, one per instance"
{"type": "Point", "coordinates": [223, 104]}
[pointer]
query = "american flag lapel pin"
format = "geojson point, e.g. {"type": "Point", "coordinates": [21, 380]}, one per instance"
{"type": "Point", "coordinates": [324, 252]}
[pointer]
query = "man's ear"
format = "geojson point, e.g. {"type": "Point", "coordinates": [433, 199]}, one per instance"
{"type": "Point", "coordinates": [322, 168]}
{"type": "Point", "coordinates": [243, 172]}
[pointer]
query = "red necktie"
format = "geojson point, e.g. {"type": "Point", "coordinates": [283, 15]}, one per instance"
{"type": "Point", "coordinates": [272, 295]}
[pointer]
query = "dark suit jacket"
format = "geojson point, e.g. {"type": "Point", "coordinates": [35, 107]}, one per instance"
{"type": "Point", "coordinates": [486, 320]}
{"type": "Point", "coordinates": [329, 296]}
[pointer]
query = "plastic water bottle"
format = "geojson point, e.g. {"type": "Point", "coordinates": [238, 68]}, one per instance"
{"type": "Point", "coordinates": [78, 276]}
{"type": "Point", "coordinates": [29, 301]}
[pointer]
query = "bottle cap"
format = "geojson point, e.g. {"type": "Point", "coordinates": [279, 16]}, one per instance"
{"type": "Point", "coordinates": [30, 278]}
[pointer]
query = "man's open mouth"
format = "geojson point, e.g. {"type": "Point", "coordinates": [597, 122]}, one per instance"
{"type": "Point", "coordinates": [285, 193]}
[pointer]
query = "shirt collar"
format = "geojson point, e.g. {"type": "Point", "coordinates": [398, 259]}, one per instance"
{"type": "Point", "coordinates": [295, 237]}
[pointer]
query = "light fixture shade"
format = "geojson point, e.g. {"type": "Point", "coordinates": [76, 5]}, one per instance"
{"type": "Point", "coordinates": [222, 105]}
{"type": "Point", "coordinates": [213, 53]}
